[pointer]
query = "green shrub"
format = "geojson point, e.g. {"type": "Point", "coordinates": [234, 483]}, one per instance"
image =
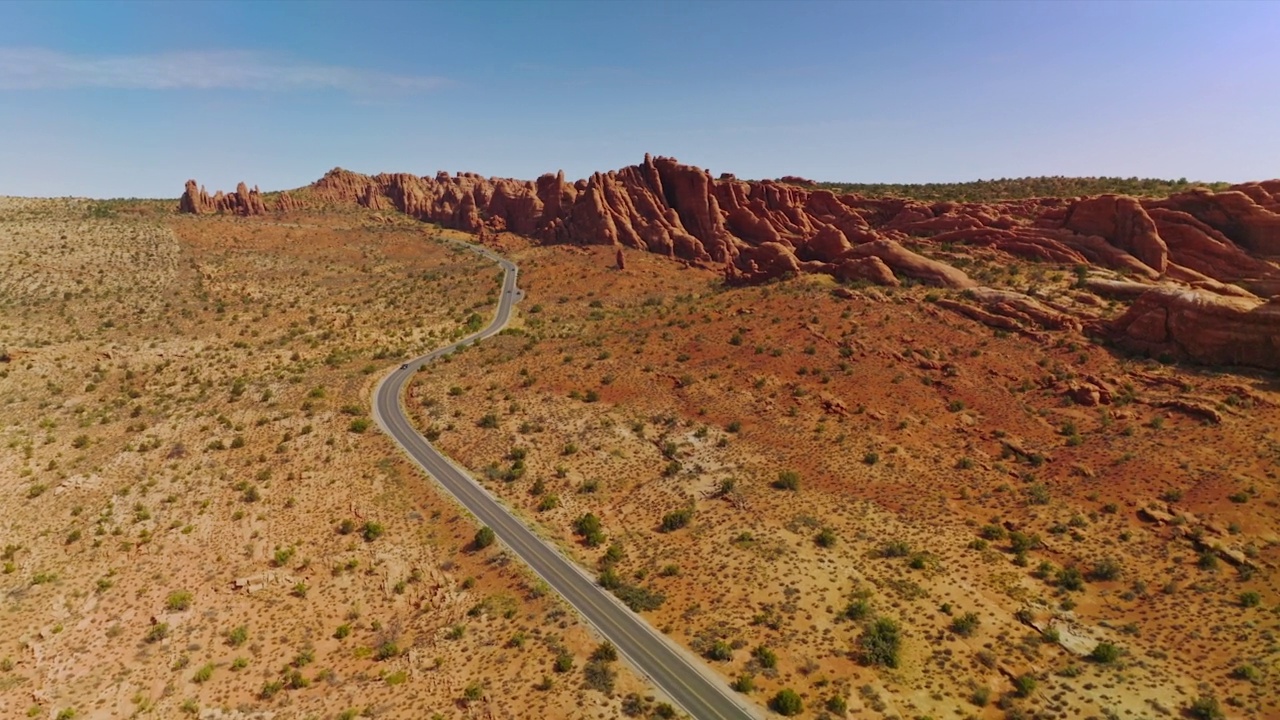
{"type": "Point", "coordinates": [359, 425]}
{"type": "Point", "coordinates": [787, 703]}
{"type": "Point", "coordinates": [237, 635]}
{"type": "Point", "coordinates": [1105, 653]}
{"type": "Point", "coordinates": [599, 676]}
{"type": "Point", "coordinates": [484, 537]}
{"type": "Point", "coordinates": [966, 624]}
{"type": "Point", "coordinates": [372, 530]}
{"type": "Point", "coordinates": [158, 632]}
{"type": "Point", "coordinates": [1206, 707]}
{"type": "Point", "coordinates": [563, 662]}
{"type": "Point", "coordinates": [589, 528]}
{"type": "Point", "coordinates": [720, 651]}
{"type": "Point", "coordinates": [881, 643]}
{"type": "Point", "coordinates": [1070, 578]}
{"type": "Point", "coordinates": [858, 609]}
{"type": "Point", "coordinates": [676, 519]}
{"type": "Point", "coordinates": [1106, 569]}
{"type": "Point", "coordinates": [178, 600]}
{"type": "Point", "coordinates": [895, 548]}
{"type": "Point", "coordinates": [787, 480]}
{"type": "Point", "coordinates": [1024, 685]}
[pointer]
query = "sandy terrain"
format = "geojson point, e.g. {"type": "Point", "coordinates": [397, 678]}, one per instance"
{"type": "Point", "coordinates": [196, 517]}
{"type": "Point", "coordinates": [841, 460]}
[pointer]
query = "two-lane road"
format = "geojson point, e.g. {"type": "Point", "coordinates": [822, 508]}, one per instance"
{"type": "Point", "coordinates": [673, 670]}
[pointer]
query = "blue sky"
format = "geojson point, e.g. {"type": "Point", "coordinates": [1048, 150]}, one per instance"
{"type": "Point", "coordinates": [104, 99]}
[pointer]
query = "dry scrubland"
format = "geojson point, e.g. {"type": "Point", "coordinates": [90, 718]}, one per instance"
{"type": "Point", "coordinates": [775, 469]}
{"type": "Point", "coordinates": [196, 516]}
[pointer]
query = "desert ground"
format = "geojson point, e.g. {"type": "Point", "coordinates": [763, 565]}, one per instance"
{"type": "Point", "coordinates": [783, 473]}
{"type": "Point", "coordinates": [850, 492]}
{"type": "Point", "coordinates": [197, 517]}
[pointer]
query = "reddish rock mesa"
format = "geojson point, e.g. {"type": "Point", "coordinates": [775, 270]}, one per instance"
{"type": "Point", "coordinates": [1216, 244]}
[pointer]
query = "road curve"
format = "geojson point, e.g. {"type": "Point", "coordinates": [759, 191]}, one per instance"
{"type": "Point", "coordinates": [669, 667]}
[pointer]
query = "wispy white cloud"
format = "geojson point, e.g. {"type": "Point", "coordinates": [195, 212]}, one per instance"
{"type": "Point", "coordinates": [42, 69]}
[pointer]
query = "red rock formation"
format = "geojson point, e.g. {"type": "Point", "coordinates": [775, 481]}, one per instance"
{"type": "Point", "coordinates": [285, 203]}
{"type": "Point", "coordinates": [1123, 223]}
{"type": "Point", "coordinates": [195, 200]}
{"type": "Point", "coordinates": [1234, 213]}
{"type": "Point", "coordinates": [1204, 327]}
{"type": "Point", "coordinates": [241, 202]}
{"type": "Point", "coordinates": [761, 230]}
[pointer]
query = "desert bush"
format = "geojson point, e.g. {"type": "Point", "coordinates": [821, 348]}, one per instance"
{"type": "Point", "coordinates": [881, 643]}
{"type": "Point", "coordinates": [966, 624]}
{"type": "Point", "coordinates": [1105, 653]}
{"type": "Point", "coordinates": [676, 519]}
{"type": "Point", "coordinates": [895, 548]}
{"type": "Point", "coordinates": [372, 530]}
{"type": "Point", "coordinates": [599, 676]}
{"type": "Point", "coordinates": [1106, 569]}
{"type": "Point", "coordinates": [178, 600]}
{"type": "Point", "coordinates": [237, 636]}
{"type": "Point", "coordinates": [589, 528]}
{"type": "Point", "coordinates": [720, 651]}
{"type": "Point", "coordinates": [765, 656]}
{"type": "Point", "coordinates": [1206, 707]}
{"type": "Point", "coordinates": [484, 537]}
{"type": "Point", "coordinates": [1070, 578]}
{"type": "Point", "coordinates": [787, 703]}
{"type": "Point", "coordinates": [787, 480]}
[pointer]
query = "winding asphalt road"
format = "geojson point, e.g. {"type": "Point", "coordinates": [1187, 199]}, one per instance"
{"type": "Point", "coordinates": [671, 668]}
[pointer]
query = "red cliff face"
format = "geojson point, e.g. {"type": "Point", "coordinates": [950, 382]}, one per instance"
{"type": "Point", "coordinates": [1212, 242]}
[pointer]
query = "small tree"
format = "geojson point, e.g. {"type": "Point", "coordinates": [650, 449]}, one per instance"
{"type": "Point", "coordinates": [787, 702]}
{"type": "Point", "coordinates": [484, 537]}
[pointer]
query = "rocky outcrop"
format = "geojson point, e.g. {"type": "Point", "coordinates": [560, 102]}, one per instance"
{"type": "Point", "coordinates": [1235, 213]}
{"type": "Point", "coordinates": [243, 201]}
{"type": "Point", "coordinates": [1202, 326]}
{"type": "Point", "coordinates": [761, 230]}
{"type": "Point", "coordinates": [1123, 223]}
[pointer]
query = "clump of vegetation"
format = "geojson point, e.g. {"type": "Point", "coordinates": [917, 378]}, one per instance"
{"type": "Point", "coordinates": [676, 519]}
{"type": "Point", "coordinates": [966, 624]}
{"type": "Point", "coordinates": [484, 537]}
{"type": "Point", "coordinates": [590, 529]}
{"type": "Point", "coordinates": [1020, 188]}
{"type": "Point", "coordinates": [787, 703]}
{"type": "Point", "coordinates": [881, 643]}
{"type": "Point", "coordinates": [787, 480]}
